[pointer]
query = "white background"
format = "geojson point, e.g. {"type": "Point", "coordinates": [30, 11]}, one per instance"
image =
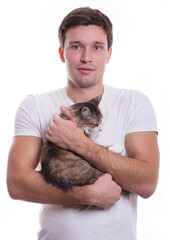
{"type": "Point", "coordinates": [29, 63]}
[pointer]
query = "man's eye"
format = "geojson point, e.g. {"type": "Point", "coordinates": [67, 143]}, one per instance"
{"type": "Point", "coordinates": [97, 47]}
{"type": "Point", "coordinates": [75, 47]}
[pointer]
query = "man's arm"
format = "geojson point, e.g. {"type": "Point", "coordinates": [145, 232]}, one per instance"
{"type": "Point", "coordinates": [136, 173]}
{"type": "Point", "coordinates": [25, 183]}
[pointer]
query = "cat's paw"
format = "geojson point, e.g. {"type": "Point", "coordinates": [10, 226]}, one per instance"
{"type": "Point", "coordinates": [116, 149]}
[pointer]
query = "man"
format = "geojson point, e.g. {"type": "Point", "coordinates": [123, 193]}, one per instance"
{"type": "Point", "coordinates": [97, 211]}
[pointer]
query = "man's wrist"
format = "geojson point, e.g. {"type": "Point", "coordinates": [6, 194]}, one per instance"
{"type": "Point", "coordinates": [81, 195]}
{"type": "Point", "coordinates": [83, 147]}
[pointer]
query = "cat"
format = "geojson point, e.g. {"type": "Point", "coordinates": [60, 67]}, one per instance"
{"type": "Point", "coordinates": [63, 168]}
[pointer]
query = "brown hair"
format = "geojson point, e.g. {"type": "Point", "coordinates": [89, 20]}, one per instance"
{"type": "Point", "coordinates": [85, 16]}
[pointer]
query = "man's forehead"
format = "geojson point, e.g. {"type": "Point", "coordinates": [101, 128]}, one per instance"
{"type": "Point", "coordinates": [90, 33]}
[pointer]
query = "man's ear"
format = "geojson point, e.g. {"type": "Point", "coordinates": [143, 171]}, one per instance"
{"type": "Point", "coordinates": [109, 55]}
{"type": "Point", "coordinates": [61, 52]}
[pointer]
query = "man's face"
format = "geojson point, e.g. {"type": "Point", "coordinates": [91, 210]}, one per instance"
{"type": "Point", "coordinates": [85, 54]}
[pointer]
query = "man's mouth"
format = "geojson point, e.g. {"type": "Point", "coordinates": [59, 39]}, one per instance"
{"type": "Point", "coordinates": [86, 70]}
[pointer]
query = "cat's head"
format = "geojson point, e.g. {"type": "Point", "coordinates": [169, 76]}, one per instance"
{"type": "Point", "coordinates": [88, 115]}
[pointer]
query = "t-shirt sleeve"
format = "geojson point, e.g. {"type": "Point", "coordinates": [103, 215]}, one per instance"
{"type": "Point", "coordinates": [26, 119]}
{"type": "Point", "coordinates": [141, 117]}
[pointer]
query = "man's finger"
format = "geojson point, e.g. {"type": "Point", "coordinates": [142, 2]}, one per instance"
{"type": "Point", "coordinates": [67, 113]}
{"type": "Point", "coordinates": [55, 117]}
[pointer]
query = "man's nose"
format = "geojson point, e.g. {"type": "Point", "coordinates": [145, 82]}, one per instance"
{"type": "Point", "coordinates": [86, 56]}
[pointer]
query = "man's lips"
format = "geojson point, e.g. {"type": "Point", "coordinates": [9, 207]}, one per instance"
{"type": "Point", "coordinates": [85, 70]}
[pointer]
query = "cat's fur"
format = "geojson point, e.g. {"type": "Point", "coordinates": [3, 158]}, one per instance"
{"type": "Point", "coordinates": [65, 169]}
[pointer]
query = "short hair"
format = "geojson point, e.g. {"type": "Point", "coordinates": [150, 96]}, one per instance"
{"type": "Point", "coordinates": [85, 16]}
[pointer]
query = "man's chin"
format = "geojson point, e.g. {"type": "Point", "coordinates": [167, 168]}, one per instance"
{"type": "Point", "coordinates": [86, 84]}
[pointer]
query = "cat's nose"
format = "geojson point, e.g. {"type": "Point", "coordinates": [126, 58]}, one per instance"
{"type": "Point", "coordinates": [100, 128]}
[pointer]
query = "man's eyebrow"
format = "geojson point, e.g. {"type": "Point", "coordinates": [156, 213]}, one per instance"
{"type": "Point", "coordinates": [100, 43]}
{"type": "Point", "coordinates": [74, 42]}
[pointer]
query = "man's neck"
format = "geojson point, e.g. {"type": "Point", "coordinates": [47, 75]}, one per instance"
{"type": "Point", "coordinates": [79, 94]}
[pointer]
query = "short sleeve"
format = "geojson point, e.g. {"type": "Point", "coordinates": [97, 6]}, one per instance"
{"type": "Point", "coordinates": [141, 114]}
{"type": "Point", "coordinates": [26, 119]}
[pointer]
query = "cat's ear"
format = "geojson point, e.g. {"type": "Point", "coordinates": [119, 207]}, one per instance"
{"type": "Point", "coordinates": [85, 112]}
{"type": "Point", "coordinates": [96, 100]}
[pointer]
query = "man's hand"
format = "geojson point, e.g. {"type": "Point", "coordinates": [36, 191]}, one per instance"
{"type": "Point", "coordinates": [104, 192]}
{"type": "Point", "coordinates": [64, 133]}
{"type": "Point", "coordinates": [26, 184]}
{"type": "Point", "coordinates": [67, 113]}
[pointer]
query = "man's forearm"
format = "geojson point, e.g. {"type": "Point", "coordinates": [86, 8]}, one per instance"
{"type": "Point", "coordinates": [103, 193]}
{"type": "Point", "coordinates": [130, 173]}
{"type": "Point", "coordinates": [25, 183]}
{"type": "Point", "coordinates": [31, 187]}
{"type": "Point", "coordinates": [136, 173]}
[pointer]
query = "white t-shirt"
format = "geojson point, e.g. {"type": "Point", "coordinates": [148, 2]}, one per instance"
{"type": "Point", "coordinates": [124, 111]}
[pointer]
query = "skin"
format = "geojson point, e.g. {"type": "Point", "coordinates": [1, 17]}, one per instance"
{"type": "Point", "coordinates": [85, 56]}
{"type": "Point", "coordinates": [23, 181]}
{"type": "Point", "coordinates": [137, 173]}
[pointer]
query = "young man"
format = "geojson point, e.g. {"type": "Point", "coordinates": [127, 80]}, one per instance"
{"type": "Point", "coordinates": [97, 211]}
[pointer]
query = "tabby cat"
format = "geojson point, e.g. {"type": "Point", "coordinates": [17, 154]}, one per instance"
{"type": "Point", "coordinates": [63, 168]}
